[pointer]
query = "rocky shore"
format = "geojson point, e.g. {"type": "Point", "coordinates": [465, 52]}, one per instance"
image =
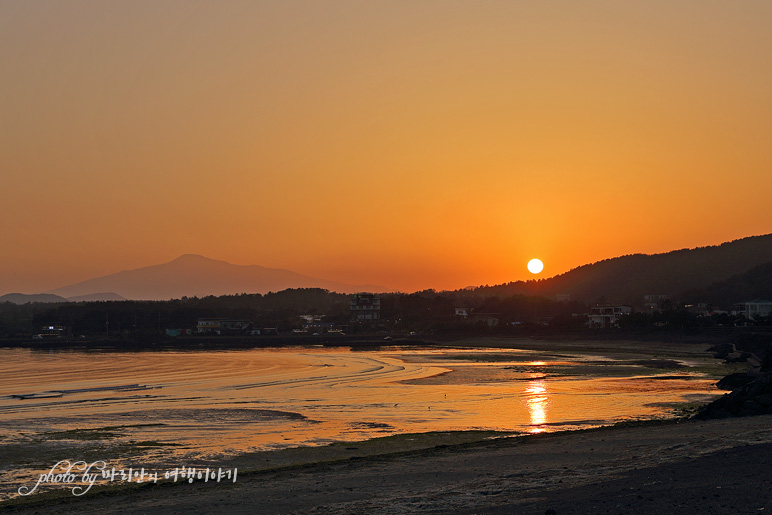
{"type": "Point", "coordinates": [751, 391]}
{"type": "Point", "coordinates": [754, 398]}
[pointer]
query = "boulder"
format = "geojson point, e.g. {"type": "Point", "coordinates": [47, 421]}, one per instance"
{"type": "Point", "coordinates": [751, 398]}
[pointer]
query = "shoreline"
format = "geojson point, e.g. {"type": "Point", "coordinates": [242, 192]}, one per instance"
{"type": "Point", "coordinates": [497, 474]}
{"type": "Point", "coordinates": [302, 461]}
{"type": "Point", "coordinates": [364, 340]}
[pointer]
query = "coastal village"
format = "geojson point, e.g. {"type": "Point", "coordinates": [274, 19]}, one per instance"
{"type": "Point", "coordinates": [365, 315]}
{"type": "Point", "coordinates": [365, 311]}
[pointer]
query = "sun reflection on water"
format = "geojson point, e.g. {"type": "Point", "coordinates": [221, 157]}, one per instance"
{"type": "Point", "coordinates": [232, 402]}
{"type": "Point", "coordinates": [537, 401]}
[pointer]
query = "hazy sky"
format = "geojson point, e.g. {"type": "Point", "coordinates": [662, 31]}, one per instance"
{"type": "Point", "coordinates": [413, 144]}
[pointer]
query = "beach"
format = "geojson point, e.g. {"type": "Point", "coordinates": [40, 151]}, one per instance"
{"type": "Point", "coordinates": [256, 409]}
{"type": "Point", "coordinates": [633, 465]}
{"type": "Point", "coordinates": [716, 466]}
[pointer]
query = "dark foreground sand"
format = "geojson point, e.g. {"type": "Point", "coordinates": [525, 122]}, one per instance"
{"type": "Point", "coordinates": [719, 466]}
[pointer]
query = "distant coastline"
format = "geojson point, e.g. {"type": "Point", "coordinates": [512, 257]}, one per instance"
{"type": "Point", "coordinates": [675, 336]}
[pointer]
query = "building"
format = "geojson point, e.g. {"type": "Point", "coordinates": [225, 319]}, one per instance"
{"type": "Point", "coordinates": [176, 331]}
{"type": "Point", "coordinates": [208, 326]}
{"type": "Point", "coordinates": [754, 308]}
{"type": "Point", "coordinates": [607, 316]}
{"type": "Point", "coordinates": [461, 312]}
{"type": "Point", "coordinates": [365, 307]}
{"type": "Point", "coordinates": [324, 328]}
{"type": "Point", "coordinates": [489, 319]}
{"type": "Point", "coordinates": [651, 303]}
{"type": "Point", "coordinates": [699, 309]}
{"type": "Point", "coordinates": [51, 331]}
{"type": "Point", "coordinates": [222, 326]}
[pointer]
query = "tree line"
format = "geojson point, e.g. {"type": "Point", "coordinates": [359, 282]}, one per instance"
{"type": "Point", "coordinates": [425, 312]}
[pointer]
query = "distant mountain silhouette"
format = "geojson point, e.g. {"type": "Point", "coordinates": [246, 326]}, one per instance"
{"type": "Point", "coordinates": [193, 275]}
{"type": "Point", "coordinates": [97, 297]}
{"type": "Point", "coordinates": [627, 279]}
{"type": "Point", "coordinates": [23, 298]}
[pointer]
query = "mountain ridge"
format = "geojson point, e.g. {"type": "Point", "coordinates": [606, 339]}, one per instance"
{"type": "Point", "coordinates": [621, 279]}
{"type": "Point", "coordinates": [24, 298]}
{"type": "Point", "coordinates": [193, 275]}
{"type": "Point", "coordinates": [626, 279]}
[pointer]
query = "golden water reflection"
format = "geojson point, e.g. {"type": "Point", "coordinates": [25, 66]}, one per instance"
{"type": "Point", "coordinates": [537, 400]}
{"type": "Point", "coordinates": [208, 405]}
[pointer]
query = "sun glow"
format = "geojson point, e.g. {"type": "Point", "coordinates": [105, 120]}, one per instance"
{"type": "Point", "coordinates": [535, 266]}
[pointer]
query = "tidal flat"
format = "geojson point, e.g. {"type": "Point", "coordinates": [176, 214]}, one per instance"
{"type": "Point", "coordinates": [269, 409]}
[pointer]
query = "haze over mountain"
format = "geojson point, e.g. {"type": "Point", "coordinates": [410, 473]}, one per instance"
{"type": "Point", "coordinates": [97, 297]}
{"type": "Point", "coordinates": [193, 275]}
{"type": "Point", "coordinates": [627, 279]}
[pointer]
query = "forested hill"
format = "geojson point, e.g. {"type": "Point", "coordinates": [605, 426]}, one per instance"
{"type": "Point", "coordinates": [627, 279]}
{"type": "Point", "coordinates": [756, 283]}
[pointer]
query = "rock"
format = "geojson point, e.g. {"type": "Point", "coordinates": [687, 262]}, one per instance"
{"type": "Point", "coordinates": [733, 381]}
{"type": "Point", "coordinates": [755, 389]}
{"type": "Point", "coordinates": [753, 407]}
{"type": "Point", "coordinates": [752, 398]}
{"type": "Point", "coordinates": [736, 357]}
{"type": "Point", "coordinates": [721, 350]}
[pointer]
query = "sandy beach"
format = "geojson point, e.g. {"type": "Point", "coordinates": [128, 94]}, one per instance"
{"type": "Point", "coordinates": [635, 467]}
{"type": "Point", "coordinates": [716, 466]}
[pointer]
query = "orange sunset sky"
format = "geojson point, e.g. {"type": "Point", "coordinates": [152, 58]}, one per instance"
{"type": "Point", "coordinates": [413, 144]}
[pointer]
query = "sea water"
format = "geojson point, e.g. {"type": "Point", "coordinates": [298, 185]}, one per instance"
{"type": "Point", "coordinates": [174, 407]}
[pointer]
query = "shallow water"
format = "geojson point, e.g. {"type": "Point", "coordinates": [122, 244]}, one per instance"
{"type": "Point", "coordinates": [170, 407]}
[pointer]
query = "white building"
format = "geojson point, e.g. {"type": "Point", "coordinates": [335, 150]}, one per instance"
{"type": "Point", "coordinates": [754, 308]}
{"type": "Point", "coordinates": [607, 316]}
{"type": "Point", "coordinates": [461, 312]}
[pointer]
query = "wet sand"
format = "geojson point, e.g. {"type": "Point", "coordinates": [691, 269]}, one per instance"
{"type": "Point", "coordinates": [165, 409]}
{"type": "Point", "coordinates": [464, 471]}
{"type": "Point", "coordinates": [718, 466]}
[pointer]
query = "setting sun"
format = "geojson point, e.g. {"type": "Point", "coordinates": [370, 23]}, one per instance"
{"type": "Point", "coordinates": [535, 266]}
